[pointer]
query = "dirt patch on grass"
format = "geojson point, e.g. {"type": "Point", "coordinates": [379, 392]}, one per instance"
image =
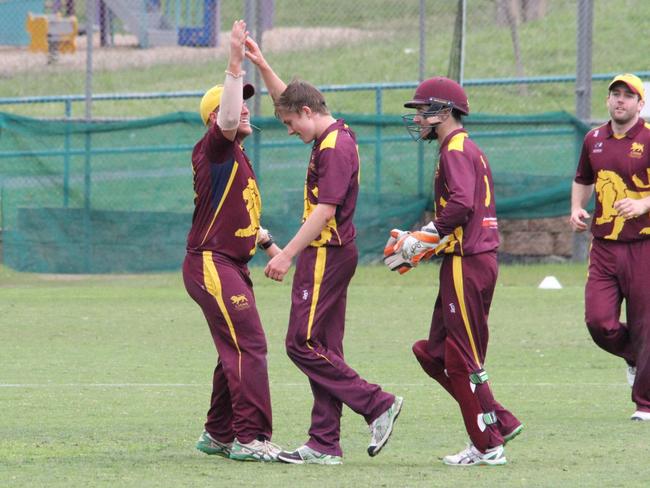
{"type": "Point", "coordinates": [126, 54]}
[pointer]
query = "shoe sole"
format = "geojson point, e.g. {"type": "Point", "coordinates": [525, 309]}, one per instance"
{"type": "Point", "coordinates": [500, 462]}
{"type": "Point", "coordinates": [372, 452]}
{"type": "Point", "coordinates": [248, 458]}
{"type": "Point", "coordinates": [507, 438]}
{"type": "Point", "coordinates": [211, 451]}
{"type": "Point", "coordinates": [311, 461]}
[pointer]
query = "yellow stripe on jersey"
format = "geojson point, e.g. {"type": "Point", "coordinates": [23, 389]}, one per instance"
{"type": "Point", "coordinates": [646, 125]}
{"type": "Point", "coordinates": [488, 195]}
{"type": "Point", "coordinates": [359, 170]}
{"type": "Point", "coordinates": [213, 286]}
{"type": "Point", "coordinates": [449, 246]}
{"type": "Point", "coordinates": [457, 142]}
{"type": "Point", "coordinates": [329, 141]}
{"type": "Point", "coordinates": [319, 272]}
{"type": "Point", "coordinates": [457, 266]}
{"type": "Point", "coordinates": [223, 199]}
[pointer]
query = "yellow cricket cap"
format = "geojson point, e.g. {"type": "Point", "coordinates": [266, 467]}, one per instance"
{"type": "Point", "coordinates": [633, 82]}
{"type": "Point", "coordinates": [212, 99]}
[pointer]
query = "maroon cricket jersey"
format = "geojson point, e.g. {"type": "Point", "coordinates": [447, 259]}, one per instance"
{"type": "Point", "coordinates": [333, 178]}
{"type": "Point", "coordinates": [618, 167]}
{"type": "Point", "coordinates": [227, 204]}
{"type": "Point", "coordinates": [464, 197]}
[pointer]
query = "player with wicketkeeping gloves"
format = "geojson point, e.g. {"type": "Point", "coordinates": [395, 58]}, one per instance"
{"type": "Point", "coordinates": [464, 232]}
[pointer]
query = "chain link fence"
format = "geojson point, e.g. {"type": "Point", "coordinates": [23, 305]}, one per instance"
{"type": "Point", "coordinates": [516, 58]}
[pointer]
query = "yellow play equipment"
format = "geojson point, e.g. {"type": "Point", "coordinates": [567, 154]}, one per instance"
{"type": "Point", "coordinates": [52, 34]}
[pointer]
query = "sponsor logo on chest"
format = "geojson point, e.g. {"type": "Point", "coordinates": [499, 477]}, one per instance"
{"type": "Point", "coordinates": [636, 150]}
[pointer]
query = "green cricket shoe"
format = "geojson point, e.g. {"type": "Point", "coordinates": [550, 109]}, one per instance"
{"type": "Point", "coordinates": [256, 450]}
{"type": "Point", "coordinates": [211, 446]}
{"type": "Point", "coordinates": [514, 433]}
{"type": "Point", "coordinates": [306, 455]}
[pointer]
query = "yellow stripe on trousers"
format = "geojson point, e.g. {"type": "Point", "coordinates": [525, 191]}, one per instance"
{"type": "Point", "coordinates": [319, 272]}
{"type": "Point", "coordinates": [457, 266]}
{"type": "Point", "coordinates": [213, 285]}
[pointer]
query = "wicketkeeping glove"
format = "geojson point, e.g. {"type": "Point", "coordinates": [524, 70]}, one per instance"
{"type": "Point", "coordinates": [392, 255]}
{"type": "Point", "coordinates": [419, 245]}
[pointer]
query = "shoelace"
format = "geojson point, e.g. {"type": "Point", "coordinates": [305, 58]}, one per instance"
{"type": "Point", "coordinates": [269, 447]}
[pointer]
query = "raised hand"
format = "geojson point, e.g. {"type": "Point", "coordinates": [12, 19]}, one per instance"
{"type": "Point", "coordinates": [238, 36]}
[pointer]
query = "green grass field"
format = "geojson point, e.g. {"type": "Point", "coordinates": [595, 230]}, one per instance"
{"type": "Point", "coordinates": [105, 381]}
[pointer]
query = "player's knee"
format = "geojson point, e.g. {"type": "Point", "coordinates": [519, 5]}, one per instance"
{"type": "Point", "coordinates": [295, 347]}
{"type": "Point", "coordinates": [420, 349]}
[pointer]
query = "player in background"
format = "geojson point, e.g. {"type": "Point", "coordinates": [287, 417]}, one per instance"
{"type": "Point", "coordinates": [464, 232]}
{"type": "Point", "coordinates": [615, 160]}
{"type": "Point", "coordinates": [326, 261]}
{"type": "Point", "coordinates": [224, 234]}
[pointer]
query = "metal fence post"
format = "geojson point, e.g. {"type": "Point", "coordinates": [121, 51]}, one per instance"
{"type": "Point", "coordinates": [378, 111]}
{"type": "Point", "coordinates": [422, 29]}
{"type": "Point", "coordinates": [66, 156]}
{"type": "Point", "coordinates": [87, 221]}
{"type": "Point", "coordinates": [585, 18]}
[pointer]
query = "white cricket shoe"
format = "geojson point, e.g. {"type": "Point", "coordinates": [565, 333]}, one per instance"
{"type": "Point", "coordinates": [382, 427]}
{"type": "Point", "coordinates": [256, 450]}
{"type": "Point", "coordinates": [473, 457]}
{"type": "Point", "coordinates": [631, 374]}
{"type": "Point", "coordinates": [640, 415]}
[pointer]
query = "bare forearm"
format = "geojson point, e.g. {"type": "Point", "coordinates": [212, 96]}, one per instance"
{"type": "Point", "coordinates": [310, 229]}
{"type": "Point", "coordinates": [273, 83]}
{"type": "Point", "coordinates": [580, 195]}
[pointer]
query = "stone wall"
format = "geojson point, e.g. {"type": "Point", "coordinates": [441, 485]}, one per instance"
{"type": "Point", "coordinates": [537, 237]}
{"type": "Point", "coordinates": [534, 240]}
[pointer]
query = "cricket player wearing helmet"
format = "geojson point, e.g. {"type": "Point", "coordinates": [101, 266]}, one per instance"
{"type": "Point", "coordinates": [466, 225]}
{"type": "Point", "coordinates": [223, 238]}
{"type": "Point", "coordinates": [326, 261]}
{"type": "Point", "coordinates": [615, 161]}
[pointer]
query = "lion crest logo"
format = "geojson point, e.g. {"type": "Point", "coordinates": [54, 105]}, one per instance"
{"type": "Point", "coordinates": [240, 302]}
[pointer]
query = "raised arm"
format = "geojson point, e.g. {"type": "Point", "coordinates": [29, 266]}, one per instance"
{"type": "Point", "coordinates": [232, 98]}
{"type": "Point", "coordinates": [273, 83]}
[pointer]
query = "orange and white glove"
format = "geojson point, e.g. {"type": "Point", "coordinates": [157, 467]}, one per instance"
{"type": "Point", "coordinates": [421, 244]}
{"type": "Point", "coordinates": [404, 250]}
{"type": "Point", "coordinates": [392, 254]}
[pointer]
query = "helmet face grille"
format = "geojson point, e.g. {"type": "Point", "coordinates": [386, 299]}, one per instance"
{"type": "Point", "coordinates": [415, 130]}
{"type": "Point", "coordinates": [434, 107]}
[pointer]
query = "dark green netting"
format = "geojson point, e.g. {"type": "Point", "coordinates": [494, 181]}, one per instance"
{"type": "Point", "coordinates": [101, 197]}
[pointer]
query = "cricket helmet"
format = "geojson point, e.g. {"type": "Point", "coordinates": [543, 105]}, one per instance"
{"type": "Point", "coordinates": [435, 95]}
{"type": "Point", "coordinates": [440, 91]}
